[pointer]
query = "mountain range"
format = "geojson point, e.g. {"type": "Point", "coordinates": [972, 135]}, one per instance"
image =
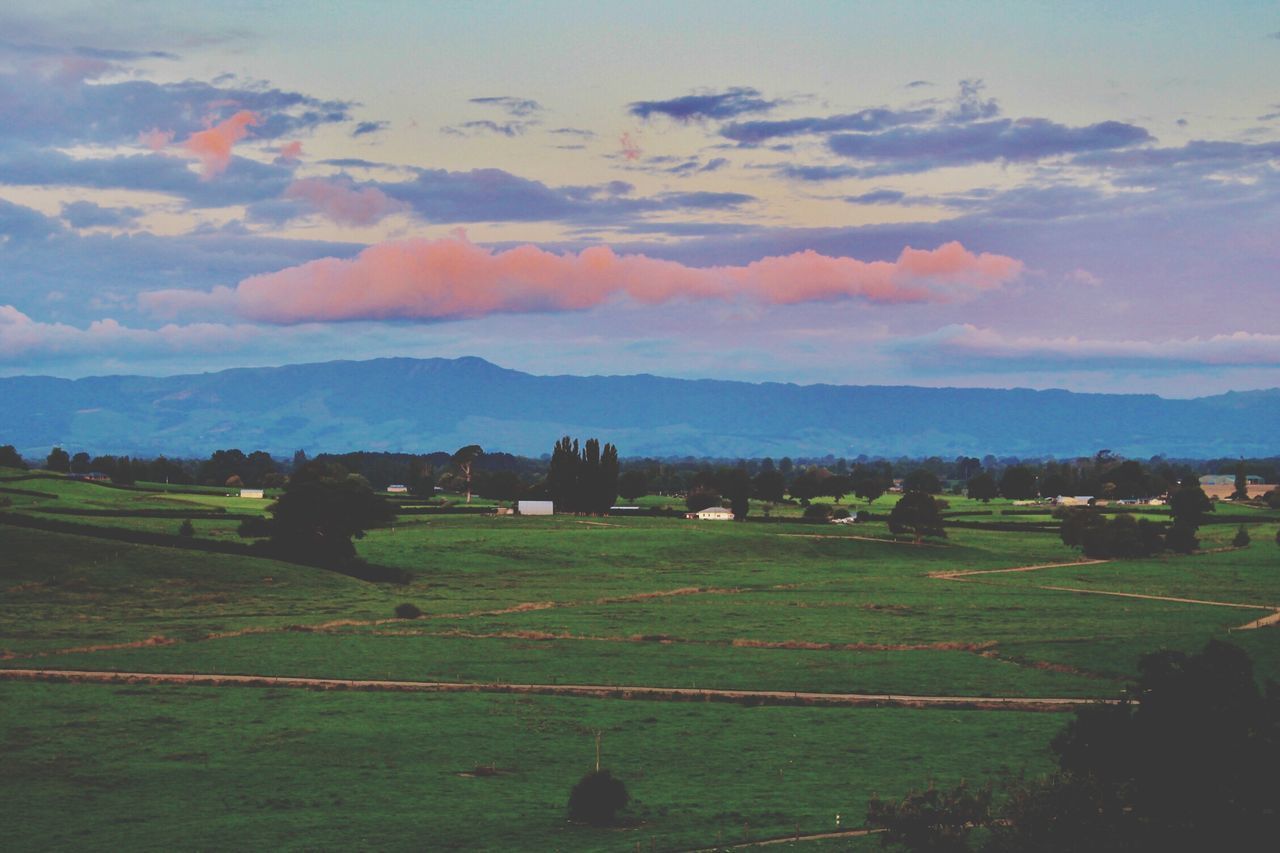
{"type": "Point", "coordinates": [423, 405]}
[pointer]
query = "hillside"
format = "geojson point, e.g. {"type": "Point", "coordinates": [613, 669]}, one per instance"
{"type": "Point", "coordinates": [420, 405]}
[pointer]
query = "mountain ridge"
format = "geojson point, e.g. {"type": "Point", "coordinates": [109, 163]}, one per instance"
{"type": "Point", "coordinates": [421, 405]}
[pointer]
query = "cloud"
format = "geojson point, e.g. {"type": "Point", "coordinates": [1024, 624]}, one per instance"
{"type": "Point", "coordinates": [453, 278]}
{"type": "Point", "coordinates": [736, 101]}
{"type": "Point", "coordinates": [968, 347]}
{"type": "Point", "coordinates": [87, 214]}
{"type": "Point", "coordinates": [19, 223]}
{"type": "Point", "coordinates": [212, 147]}
{"type": "Point", "coordinates": [877, 197]}
{"type": "Point", "coordinates": [480, 127]}
{"type": "Point", "coordinates": [915, 149]}
{"type": "Point", "coordinates": [863, 121]}
{"type": "Point", "coordinates": [22, 338]}
{"type": "Point", "coordinates": [969, 104]}
{"type": "Point", "coordinates": [290, 152]}
{"type": "Point", "coordinates": [799, 172]}
{"type": "Point", "coordinates": [343, 202]}
{"type": "Point", "coordinates": [519, 107]}
{"type": "Point", "coordinates": [366, 127]}
{"type": "Point", "coordinates": [630, 148]}
{"type": "Point", "coordinates": [575, 132]}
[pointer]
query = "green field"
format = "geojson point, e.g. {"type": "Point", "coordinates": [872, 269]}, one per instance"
{"type": "Point", "coordinates": [660, 602]}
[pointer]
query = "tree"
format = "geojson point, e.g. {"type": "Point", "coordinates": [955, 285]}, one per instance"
{"type": "Point", "coordinates": [10, 458]}
{"type": "Point", "coordinates": [868, 488]}
{"type": "Point", "coordinates": [463, 458]}
{"type": "Point", "coordinates": [916, 513]}
{"type": "Point", "coordinates": [1018, 483]}
{"type": "Point", "coordinates": [633, 484]}
{"type": "Point", "coordinates": [770, 486]}
{"type": "Point", "coordinates": [922, 480]}
{"type": "Point", "coordinates": [1241, 492]}
{"type": "Point", "coordinates": [735, 484]}
{"type": "Point", "coordinates": [320, 512]}
{"type": "Point", "coordinates": [701, 498]}
{"type": "Point", "coordinates": [982, 487]}
{"type": "Point", "coordinates": [80, 463]}
{"type": "Point", "coordinates": [1241, 538]}
{"type": "Point", "coordinates": [58, 460]}
{"type": "Point", "coordinates": [1187, 506]}
{"type": "Point", "coordinates": [583, 480]}
{"type": "Point", "coordinates": [597, 799]}
{"type": "Point", "coordinates": [421, 479]}
{"type": "Point", "coordinates": [933, 819]}
{"type": "Point", "coordinates": [838, 486]}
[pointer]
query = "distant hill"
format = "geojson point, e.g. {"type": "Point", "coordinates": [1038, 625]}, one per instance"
{"type": "Point", "coordinates": [420, 405]}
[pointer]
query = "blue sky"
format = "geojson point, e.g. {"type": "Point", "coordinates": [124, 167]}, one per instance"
{"type": "Point", "coordinates": [980, 194]}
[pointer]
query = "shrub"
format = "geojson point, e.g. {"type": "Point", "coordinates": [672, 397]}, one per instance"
{"type": "Point", "coordinates": [1242, 538]}
{"type": "Point", "coordinates": [407, 611]}
{"type": "Point", "coordinates": [840, 513]}
{"type": "Point", "coordinates": [186, 528]}
{"type": "Point", "coordinates": [255, 528]}
{"type": "Point", "coordinates": [817, 512]}
{"type": "Point", "coordinates": [597, 799]}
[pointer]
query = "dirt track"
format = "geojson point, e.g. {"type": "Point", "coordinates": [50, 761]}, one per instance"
{"type": "Point", "coordinates": [592, 691]}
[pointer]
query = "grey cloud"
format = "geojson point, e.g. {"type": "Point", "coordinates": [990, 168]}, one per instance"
{"type": "Point", "coordinates": [367, 127]}
{"type": "Point", "coordinates": [519, 107]}
{"type": "Point", "coordinates": [740, 100]}
{"type": "Point", "coordinates": [87, 214]}
{"type": "Point", "coordinates": [865, 121]}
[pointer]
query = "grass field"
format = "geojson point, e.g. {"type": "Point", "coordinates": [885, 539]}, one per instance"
{"type": "Point", "coordinates": [780, 606]}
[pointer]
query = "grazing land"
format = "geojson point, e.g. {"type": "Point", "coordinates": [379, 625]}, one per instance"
{"type": "Point", "coordinates": [614, 602]}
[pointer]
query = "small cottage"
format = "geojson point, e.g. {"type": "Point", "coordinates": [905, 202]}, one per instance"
{"type": "Point", "coordinates": [712, 513]}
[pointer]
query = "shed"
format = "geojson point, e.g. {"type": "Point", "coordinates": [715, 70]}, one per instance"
{"type": "Point", "coordinates": [536, 507]}
{"type": "Point", "coordinates": [251, 493]}
{"type": "Point", "coordinates": [398, 489]}
{"type": "Point", "coordinates": [712, 513]}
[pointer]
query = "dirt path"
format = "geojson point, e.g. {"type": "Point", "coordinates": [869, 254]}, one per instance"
{"type": "Point", "coordinates": [792, 839]}
{"type": "Point", "coordinates": [593, 691]}
{"type": "Point", "coordinates": [951, 576]}
{"type": "Point", "coordinates": [1146, 597]}
{"type": "Point", "coordinates": [910, 542]}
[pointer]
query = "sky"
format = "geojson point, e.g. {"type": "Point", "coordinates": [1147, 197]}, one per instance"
{"type": "Point", "coordinates": [977, 194]}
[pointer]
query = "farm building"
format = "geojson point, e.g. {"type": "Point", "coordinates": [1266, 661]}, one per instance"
{"type": "Point", "coordinates": [535, 507]}
{"type": "Point", "coordinates": [251, 493]}
{"type": "Point", "coordinates": [712, 513]}
{"type": "Point", "coordinates": [398, 489]}
{"type": "Point", "coordinates": [1073, 500]}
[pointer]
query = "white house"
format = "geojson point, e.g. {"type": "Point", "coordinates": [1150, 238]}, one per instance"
{"type": "Point", "coordinates": [712, 513]}
{"type": "Point", "coordinates": [536, 507]}
{"type": "Point", "coordinates": [1073, 500]}
{"type": "Point", "coordinates": [398, 489]}
{"type": "Point", "coordinates": [251, 493]}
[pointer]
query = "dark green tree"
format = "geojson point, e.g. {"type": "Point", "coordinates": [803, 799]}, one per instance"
{"type": "Point", "coordinates": [80, 463]}
{"type": "Point", "coordinates": [869, 487]}
{"type": "Point", "coordinates": [1018, 483]}
{"type": "Point", "coordinates": [982, 487]}
{"type": "Point", "coordinates": [58, 460]}
{"type": "Point", "coordinates": [1188, 506]}
{"type": "Point", "coordinates": [633, 484]}
{"type": "Point", "coordinates": [770, 486]}
{"type": "Point", "coordinates": [320, 512]}
{"type": "Point", "coordinates": [735, 484]}
{"type": "Point", "coordinates": [1241, 492]}
{"type": "Point", "coordinates": [916, 513]}
{"type": "Point", "coordinates": [597, 799]}
{"type": "Point", "coordinates": [10, 458]}
{"type": "Point", "coordinates": [931, 820]}
{"type": "Point", "coordinates": [922, 480]}
{"type": "Point", "coordinates": [1241, 538]}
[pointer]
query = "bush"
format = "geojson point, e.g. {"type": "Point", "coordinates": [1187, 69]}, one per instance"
{"type": "Point", "coordinates": [1242, 538]}
{"type": "Point", "coordinates": [840, 513]}
{"type": "Point", "coordinates": [407, 611]}
{"type": "Point", "coordinates": [186, 528]}
{"type": "Point", "coordinates": [597, 799]}
{"type": "Point", "coordinates": [817, 512]}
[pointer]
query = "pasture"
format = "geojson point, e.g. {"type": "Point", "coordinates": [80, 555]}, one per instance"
{"type": "Point", "coordinates": [777, 606]}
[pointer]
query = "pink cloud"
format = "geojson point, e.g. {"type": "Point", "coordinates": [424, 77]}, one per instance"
{"type": "Point", "coordinates": [155, 138]}
{"type": "Point", "coordinates": [343, 203]}
{"type": "Point", "coordinates": [291, 151]}
{"type": "Point", "coordinates": [453, 278]}
{"type": "Point", "coordinates": [630, 148]}
{"type": "Point", "coordinates": [213, 146]}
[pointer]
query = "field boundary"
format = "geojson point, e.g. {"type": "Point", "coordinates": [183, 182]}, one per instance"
{"type": "Point", "coordinates": [797, 698]}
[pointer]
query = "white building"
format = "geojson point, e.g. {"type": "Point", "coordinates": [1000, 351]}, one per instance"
{"type": "Point", "coordinates": [712, 513]}
{"type": "Point", "coordinates": [251, 493]}
{"type": "Point", "coordinates": [398, 489]}
{"type": "Point", "coordinates": [536, 507]}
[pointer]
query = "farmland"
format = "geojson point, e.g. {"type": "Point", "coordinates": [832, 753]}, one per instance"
{"type": "Point", "coordinates": [613, 602]}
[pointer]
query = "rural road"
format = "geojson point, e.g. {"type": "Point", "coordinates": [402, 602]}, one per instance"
{"type": "Point", "coordinates": [594, 691]}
